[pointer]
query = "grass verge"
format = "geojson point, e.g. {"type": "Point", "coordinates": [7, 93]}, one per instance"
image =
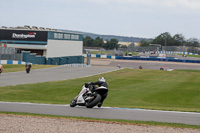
{"type": "Point", "coordinates": [149, 123]}
{"type": "Point", "coordinates": [108, 52]}
{"type": "Point", "coordinates": [15, 68]}
{"type": "Point", "coordinates": [129, 88]}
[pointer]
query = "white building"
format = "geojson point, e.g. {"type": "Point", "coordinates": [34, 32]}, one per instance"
{"type": "Point", "coordinates": [44, 42]}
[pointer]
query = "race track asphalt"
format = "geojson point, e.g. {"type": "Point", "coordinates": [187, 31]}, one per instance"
{"type": "Point", "coordinates": [154, 65]}
{"type": "Point", "coordinates": [104, 112]}
{"type": "Point", "coordinates": [50, 74]}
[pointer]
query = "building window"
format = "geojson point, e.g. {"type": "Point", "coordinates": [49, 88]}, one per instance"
{"type": "Point", "coordinates": [66, 36]}
{"type": "Point", "coordinates": [75, 37]}
{"type": "Point", "coordinates": [58, 35]}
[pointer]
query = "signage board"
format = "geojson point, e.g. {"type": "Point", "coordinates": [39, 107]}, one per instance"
{"type": "Point", "coordinates": [23, 35]}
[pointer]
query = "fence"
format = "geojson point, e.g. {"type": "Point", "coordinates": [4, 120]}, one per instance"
{"type": "Point", "coordinates": [163, 49]}
{"type": "Point", "coordinates": [150, 58]}
{"type": "Point", "coordinates": [195, 50]}
{"type": "Point", "coordinates": [33, 58]}
{"type": "Point", "coordinates": [9, 54]}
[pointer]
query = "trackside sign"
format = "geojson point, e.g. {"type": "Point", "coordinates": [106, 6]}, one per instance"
{"type": "Point", "coordinates": [23, 36]}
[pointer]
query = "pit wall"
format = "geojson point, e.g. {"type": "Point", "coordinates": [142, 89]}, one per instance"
{"type": "Point", "coordinates": [34, 59]}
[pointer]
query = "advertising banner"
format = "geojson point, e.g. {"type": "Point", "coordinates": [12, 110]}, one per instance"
{"type": "Point", "coordinates": [23, 35]}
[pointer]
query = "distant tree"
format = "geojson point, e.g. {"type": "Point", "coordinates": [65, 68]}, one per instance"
{"type": "Point", "coordinates": [106, 45]}
{"type": "Point", "coordinates": [88, 41]}
{"type": "Point", "coordinates": [164, 39]}
{"type": "Point", "coordinates": [98, 42]}
{"type": "Point", "coordinates": [111, 44]}
{"type": "Point", "coordinates": [123, 46]}
{"type": "Point", "coordinates": [178, 40]}
{"type": "Point", "coordinates": [192, 42]}
{"type": "Point", "coordinates": [144, 43]}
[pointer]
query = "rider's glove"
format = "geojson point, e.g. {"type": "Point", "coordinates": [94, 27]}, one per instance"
{"type": "Point", "coordinates": [86, 85]}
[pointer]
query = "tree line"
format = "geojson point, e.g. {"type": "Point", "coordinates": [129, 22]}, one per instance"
{"type": "Point", "coordinates": [99, 42]}
{"type": "Point", "coordinates": [165, 39]}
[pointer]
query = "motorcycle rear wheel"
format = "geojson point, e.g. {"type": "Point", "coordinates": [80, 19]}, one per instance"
{"type": "Point", "coordinates": [94, 102]}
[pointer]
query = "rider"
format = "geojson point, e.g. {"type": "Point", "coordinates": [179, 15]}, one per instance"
{"type": "Point", "coordinates": [28, 67]}
{"type": "Point", "coordinates": [1, 68]}
{"type": "Point", "coordinates": [161, 68]}
{"type": "Point", "coordinates": [100, 82]}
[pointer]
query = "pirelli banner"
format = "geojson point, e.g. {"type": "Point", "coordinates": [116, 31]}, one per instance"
{"type": "Point", "coordinates": [23, 35]}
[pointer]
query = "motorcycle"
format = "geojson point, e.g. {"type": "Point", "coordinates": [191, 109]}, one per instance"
{"type": "Point", "coordinates": [88, 98]}
{"type": "Point", "coordinates": [1, 69]}
{"type": "Point", "coordinates": [27, 69]}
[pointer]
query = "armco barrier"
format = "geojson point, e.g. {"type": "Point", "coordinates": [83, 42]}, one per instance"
{"type": "Point", "coordinates": [174, 52]}
{"type": "Point", "coordinates": [23, 63]}
{"type": "Point", "coordinates": [11, 62]}
{"type": "Point", "coordinates": [109, 56]}
{"type": "Point", "coordinates": [151, 58]}
{"type": "Point", "coordinates": [100, 56]}
{"type": "Point", "coordinates": [157, 59]}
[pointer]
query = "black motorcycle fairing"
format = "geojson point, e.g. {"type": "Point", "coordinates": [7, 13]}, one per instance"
{"type": "Point", "coordinates": [101, 90]}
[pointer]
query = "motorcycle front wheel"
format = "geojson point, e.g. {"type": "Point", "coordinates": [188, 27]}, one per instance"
{"type": "Point", "coordinates": [95, 101]}
{"type": "Point", "coordinates": [73, 103]}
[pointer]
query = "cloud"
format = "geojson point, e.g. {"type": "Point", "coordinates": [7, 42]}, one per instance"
{"type": "Point", "coordinates": [186, 4]}
{"type": "Point", "coordinates": [191, 4]}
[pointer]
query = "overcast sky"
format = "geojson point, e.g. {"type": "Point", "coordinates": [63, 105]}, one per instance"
{"type": "Point", "coordinates": [137, 18]}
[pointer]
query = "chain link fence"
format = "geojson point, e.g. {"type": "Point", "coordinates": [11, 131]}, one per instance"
{"type": "Point", "coordinates": [7, 53]}
{"type": "Point", "coordinates": [121, 51]}
{"type": "Point", "coordinates": [195, 50]}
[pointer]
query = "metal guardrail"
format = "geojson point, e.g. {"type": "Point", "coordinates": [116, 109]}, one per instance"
{"type": "Point", "coordinates": [121, 51]}
{"type": "Point", "coordinates": [7, 53]}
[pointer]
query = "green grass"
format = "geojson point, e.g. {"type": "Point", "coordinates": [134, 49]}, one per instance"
{"type": "Point", "coordinates": [150, 123]}
{"type": "Point", "coordinates": [197, 56]}
{"type": "Point", "coordinates": [107, 52]}
{"type": "Point", "coordinates": [14, 68]}
{"type": "Point", "coordinates": [100, 52]}
{"type": "Point", "coordinates": [182, 70]}
{"type": "Point", "coordinates": [132, 88]}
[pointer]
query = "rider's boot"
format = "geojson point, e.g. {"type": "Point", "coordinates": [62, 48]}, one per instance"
{"type": "Point", "coordinates": [99, 104]}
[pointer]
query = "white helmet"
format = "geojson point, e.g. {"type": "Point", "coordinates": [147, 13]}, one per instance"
{"type": "Point", "coordinates": [102, 79]}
